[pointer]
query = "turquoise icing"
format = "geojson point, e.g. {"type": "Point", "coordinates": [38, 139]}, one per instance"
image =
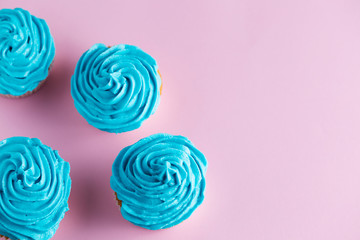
{"type": "Point", "coordinates": [34, 190]}
{"type": "Point", "coordinates": [160, 180]}
{"type": "Point", "coordinates": [26, 51]}
{"type": "Point", "coordinates": [116, 88]}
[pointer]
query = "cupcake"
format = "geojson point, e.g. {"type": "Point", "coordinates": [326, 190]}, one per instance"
{"type": "Point", "coordinates": [27, 51]}
{"type": "Point", "coordinates": [116, 88]}
{"type": "Point", "coordinates": [34, 190]}
{"type": "Point", "coordinates": [159, 181]}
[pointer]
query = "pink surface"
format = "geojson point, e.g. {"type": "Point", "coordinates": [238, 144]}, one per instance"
{"type": "Point", "coordinates": [268, 90]}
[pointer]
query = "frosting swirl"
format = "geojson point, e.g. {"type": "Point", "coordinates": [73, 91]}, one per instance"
{"type": "Point", "coordinates": [26, 51]}
{"type": "Point", "coordinates": [116, 88]}
{"type": "Point", "coordinates": [34, 190]}
{"type": "Point", "coordinates": [160, 180]}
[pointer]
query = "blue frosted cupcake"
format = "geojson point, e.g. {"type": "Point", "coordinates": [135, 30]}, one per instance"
{"type": "Point", "coordinates": [27, 51]}
{"type": "Point", "coordinates": [34, 190]}
{"type": "Point", "coordinates": [159, 181]}
{"type": "Point", "coordinates": [116, 88]}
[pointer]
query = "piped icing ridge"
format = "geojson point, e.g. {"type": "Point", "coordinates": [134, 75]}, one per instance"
{"type": "Point", "coordinates": [160, 180]}
{"type": "Point", "coordinates": [116, 88]}
{"type": "Point", "coordinates": [26, 51]}
{"type": "Point", "coordinates": [35, 187]}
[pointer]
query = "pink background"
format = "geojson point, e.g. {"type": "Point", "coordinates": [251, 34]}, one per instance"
{"type": "Point", "coordinates": [268, 90]}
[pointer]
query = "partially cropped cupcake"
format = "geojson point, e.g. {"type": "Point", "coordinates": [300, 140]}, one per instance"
{"type": "Point", "coordinates": [27, 51]}
{"type": "Point", "coordinates": [34, 190]}
{"type": "Point", "coordinates": [159, 181]}
{"type": "Point", "coordinates": [116, 88]}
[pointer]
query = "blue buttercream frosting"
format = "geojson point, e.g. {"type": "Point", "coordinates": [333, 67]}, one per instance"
{"type": "Point", "coordinates": [160, 180]}
{"type": "Point", "coordinates": [34, 190]}
{"type": "Point", "coordinates": [116, 88]}
{"type": "Point", "coordinates": [26, 51]}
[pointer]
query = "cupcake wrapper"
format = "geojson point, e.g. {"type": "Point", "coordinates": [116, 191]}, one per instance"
{"type": "Point", "coordinates": [29, 92]}
{"type": "Point", "coordinates": [161, 86]}
{"type": "Point", "coordinates": [118, 202]}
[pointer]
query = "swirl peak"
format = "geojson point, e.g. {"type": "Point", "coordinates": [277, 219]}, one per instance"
{"type": "Point", "coordinates": [26, 51]}
{"type": "Point", "coordinates": [34, 189]}
{"type": "Point", "coordinates": [116, 88]}
{"type": "Point", "coordinates": [160, 180]}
